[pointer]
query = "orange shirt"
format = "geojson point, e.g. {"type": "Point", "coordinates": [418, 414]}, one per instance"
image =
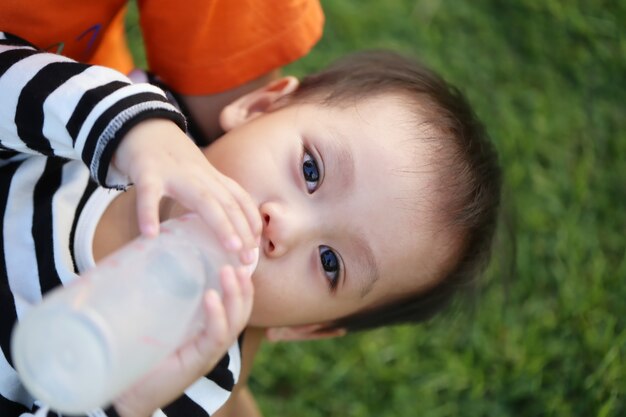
{"type": "Point", "coordinates": [195, 46]}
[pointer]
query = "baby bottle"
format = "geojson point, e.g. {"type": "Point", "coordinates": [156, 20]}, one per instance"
{"type": "Point", "coordinates": [87, 342]}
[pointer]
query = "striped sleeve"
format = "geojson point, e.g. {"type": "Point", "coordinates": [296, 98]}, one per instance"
{"type": "Point", "coordinates": [53, 106]}
{"type": "Point", "coordinates": [209, 393]}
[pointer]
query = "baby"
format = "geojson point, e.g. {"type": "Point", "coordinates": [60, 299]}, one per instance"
{"type": "Point", "coordinates": [370, 189]}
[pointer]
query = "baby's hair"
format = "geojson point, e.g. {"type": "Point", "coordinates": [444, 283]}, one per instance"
{"type": "Point", "coordinates": [470, 178]}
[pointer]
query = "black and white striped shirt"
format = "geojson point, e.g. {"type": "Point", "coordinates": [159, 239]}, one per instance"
{"type": "Point", "coordinates": [60, 122]}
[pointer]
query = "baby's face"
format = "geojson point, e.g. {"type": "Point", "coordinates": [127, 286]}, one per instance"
{"type": "Point", "coordinates": [344, 196]}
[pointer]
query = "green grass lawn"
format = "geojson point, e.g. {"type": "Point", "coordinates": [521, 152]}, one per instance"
{"type": "Point", "coordinates": [545, 334]}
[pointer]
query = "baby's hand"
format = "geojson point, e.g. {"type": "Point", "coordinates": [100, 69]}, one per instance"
{"type": "Point", "coordinates": [161, 161]}
{"type": "Point", "coordinates": [225, 321]}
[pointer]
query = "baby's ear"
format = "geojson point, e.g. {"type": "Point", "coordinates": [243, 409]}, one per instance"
{"type": "Point", "coordinates": [256, 102]}
{"type": "Point", "coordinates": [306, 332]}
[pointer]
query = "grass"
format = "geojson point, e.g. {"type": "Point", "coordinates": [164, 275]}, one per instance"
{"type": "Point", "coordinates": [546, 333]}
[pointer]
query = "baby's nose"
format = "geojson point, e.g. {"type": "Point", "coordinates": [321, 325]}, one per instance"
{"type": "Point", "coordinates": [282, 229]}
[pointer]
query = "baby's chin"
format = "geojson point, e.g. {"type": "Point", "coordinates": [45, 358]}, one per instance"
{"type": "Point", "coordinates": [259, 318]}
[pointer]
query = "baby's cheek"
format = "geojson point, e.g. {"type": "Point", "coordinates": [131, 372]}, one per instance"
{"type": "Point", "coordinates": [265, 300]}
{"type": "Point", "coordinates": [279, 304]}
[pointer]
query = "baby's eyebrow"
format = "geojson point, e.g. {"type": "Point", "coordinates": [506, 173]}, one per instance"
{"type": "Point", "coordinates": [339, 162]}
{"type": "Point", "coordinates": [366, 269]}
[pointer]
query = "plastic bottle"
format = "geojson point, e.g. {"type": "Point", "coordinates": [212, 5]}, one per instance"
{"type": "Point", "coordinates": [87, 342]}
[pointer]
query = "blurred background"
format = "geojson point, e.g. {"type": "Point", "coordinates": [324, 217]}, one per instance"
{"type": "Point", "coordinates": [545, 333]}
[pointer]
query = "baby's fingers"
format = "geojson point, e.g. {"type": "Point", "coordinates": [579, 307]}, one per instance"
{"type": "Point", "coordinates": [218, 215]}
{"type": "Point", "coordinates": [220, 210]}
{"type": "Point", "coordinates": [225, 319]}
{"type": "Point", "coordinates": [214, 339]}
{"type": "Point", "coordinates": [250, 230]}
{"type": "Point", "coordinates": [237, 296]}
{"type": "Point", "coordinates": [149, 194]}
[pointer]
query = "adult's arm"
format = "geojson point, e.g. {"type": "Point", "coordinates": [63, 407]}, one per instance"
{"type": "Point", "coordinates": [212, 52]}
{"type": "Point", "coordinates": [204, 111]}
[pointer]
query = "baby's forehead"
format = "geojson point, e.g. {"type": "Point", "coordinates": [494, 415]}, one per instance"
{"type": "Point", "coordinates": [417, 262]}
{"type": "Point", "coordinates": [400, 224]}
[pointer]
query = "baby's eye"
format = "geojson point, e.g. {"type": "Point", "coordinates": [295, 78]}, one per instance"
{"type": "Point", "coordinates": [331, 266]}
{"type": "Point", "coordinates": [310, 171]}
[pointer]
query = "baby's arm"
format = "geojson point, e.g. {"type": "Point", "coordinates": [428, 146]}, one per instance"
{"type": "Point", "coordinates": [53, 106]}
